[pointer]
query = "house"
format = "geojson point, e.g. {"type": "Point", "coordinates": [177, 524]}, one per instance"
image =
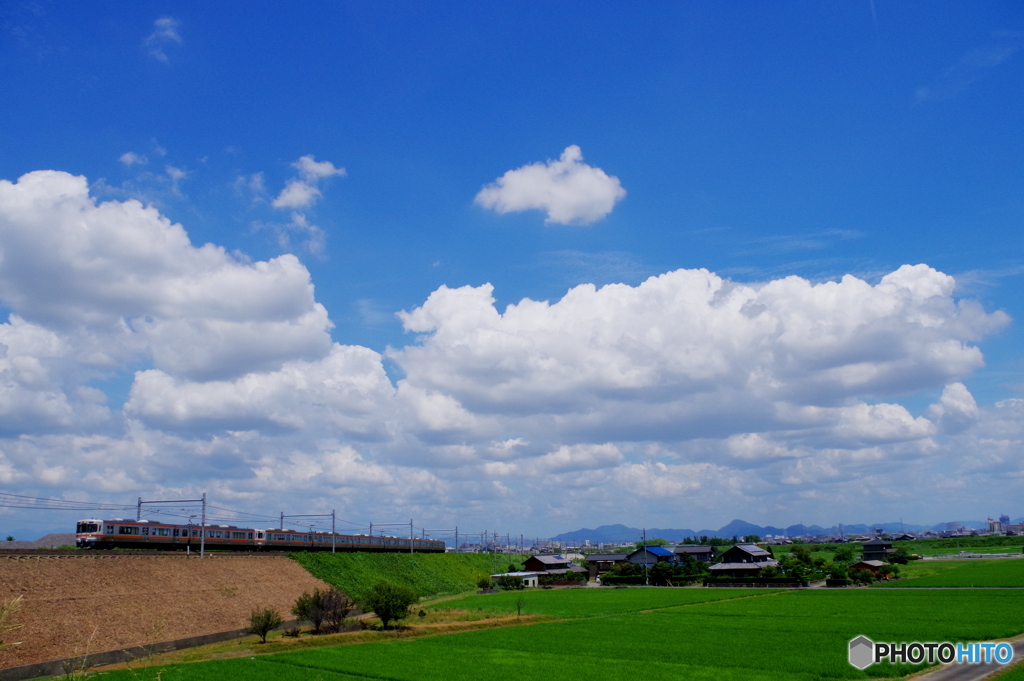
{"type": "Point", "coordinates": [873, 565]}
{"type": "Point", "coordinates": [746, 553]}
{"type": "Point", "coordinates": [877, 549]}
{"type": "Point", "coordinates": [649, 555]}
{"type": "Point", "coordinates": [742, 560]}
{"type": "Point", "coordinates": [600, 563]}
{"type": "Point", "coordinates": [705, 554]}
{"type": "Point", "coordinates": [546, 563]}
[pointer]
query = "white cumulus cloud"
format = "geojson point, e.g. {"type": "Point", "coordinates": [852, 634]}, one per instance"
{"type": "Point", "coordinates": [568, 190]}
{"type": "Point", "coordinates": [302, 192]}
{"type": "Point", "coordinates": [165, 32]}
{"type": "Point", "coordinates": [124, 280]}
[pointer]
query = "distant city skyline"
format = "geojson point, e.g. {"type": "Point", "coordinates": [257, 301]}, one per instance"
{"type": "Point", "coordinates": [514, 268]}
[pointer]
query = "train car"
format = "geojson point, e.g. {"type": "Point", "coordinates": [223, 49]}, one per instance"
{"type": "Point", "coordinates": [119, 533]}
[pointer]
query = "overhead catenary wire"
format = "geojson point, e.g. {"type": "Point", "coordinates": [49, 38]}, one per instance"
{"type": "Point", "coordinates": [215, 515]}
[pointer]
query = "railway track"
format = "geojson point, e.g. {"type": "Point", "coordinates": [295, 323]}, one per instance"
{"type": "Point", "coordinates": [126, 553]}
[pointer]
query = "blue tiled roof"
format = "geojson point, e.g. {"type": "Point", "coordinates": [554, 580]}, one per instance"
{"type": "Point", "coordinates": [659, 551]}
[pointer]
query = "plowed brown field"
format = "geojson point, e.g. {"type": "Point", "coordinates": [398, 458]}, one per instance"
{"type": "Point", "coordinates": [79, 605]}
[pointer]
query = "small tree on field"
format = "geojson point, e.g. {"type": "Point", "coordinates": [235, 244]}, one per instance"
{"type": "Point", "coordinates": [484, 582]}
{"type": "Point", "coordinates": [305, 608]}
{"type": "Point", "coordinates": [262, 622]}
{"type": "Point", "coordinates": [389, 602]}
{"type": "Point", "coordinates": [520, 602]}
{"type": "Point", "coordinates": [335, 607]}
{"type": "Point", "coordinates": [327, 608]}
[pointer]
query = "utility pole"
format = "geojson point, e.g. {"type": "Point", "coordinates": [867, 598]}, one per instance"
{"type": "Point", "coordinates": [410, 535]}
{"type": "Point", "coordinates": [202, 531]}
{"type": "Point", "coordinates": [643, 541]}
{"type": "Point", "coordinates": [202, 536]}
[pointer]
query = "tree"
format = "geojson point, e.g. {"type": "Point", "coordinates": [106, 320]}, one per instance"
{"type": "Point", "coordinates": [329, 607]}
{"type": "Point", "coordinates": [652, 542]}
{"type": "Point", "coordinates": [307, 608]}
{"type": "Point", "coordinates": [844, 554]}
{"type": "Point", "coordinates": [520, 602]}
{"type": "Point", "coordinates": [10, 537]}
{"type": "Point", "coordinates": [389, 602]}
{"type": "Point", "coordinates": [262, 622]}
{"type": "Point", "coordinates": [335, 607]}
{"type": "Point", "coordinates": [900, 556]}
{"type": "Point", "coordinates": [802, 554]}
{"type": "Point", "coordinates": [751, 539]}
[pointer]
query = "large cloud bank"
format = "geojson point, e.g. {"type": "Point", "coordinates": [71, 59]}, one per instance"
{"type": "Point", "coordinates": [690, 393]}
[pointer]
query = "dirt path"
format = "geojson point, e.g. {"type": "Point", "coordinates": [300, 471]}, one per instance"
{"type": "Point", "coordinates": [74, 606]}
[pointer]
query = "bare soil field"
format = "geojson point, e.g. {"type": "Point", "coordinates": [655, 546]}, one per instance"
{"type": "Point", "coordinates": [78, 605]}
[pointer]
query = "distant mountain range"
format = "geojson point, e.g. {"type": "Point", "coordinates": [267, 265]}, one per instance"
{"type": "Point", "coordinates": [741, 528]}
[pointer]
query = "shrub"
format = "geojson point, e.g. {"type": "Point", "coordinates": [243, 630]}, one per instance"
{"type": "Point", "coordinates": [862, 576]}
{"type": "Point", "coordinates": [262, 622]}
{"type": "Point", "coordinates": [511, 583]}
{"type": "Point", "coordinates": [566, 577]}
{"type": "Point", "coordinates": [389, 602]}
{"type": "Point", "coordinates": [484, 583]}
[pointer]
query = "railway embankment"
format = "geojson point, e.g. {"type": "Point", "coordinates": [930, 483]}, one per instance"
{"type": "Point", "coordinates": [77, 605]}
{"type": "Point", "coordinates": [427, 574]}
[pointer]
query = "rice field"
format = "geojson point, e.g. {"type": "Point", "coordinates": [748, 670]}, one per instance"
{"type": "Point", "coordinates": [671, 633]}
{"type": "Point", "coordinates": [989, 573]}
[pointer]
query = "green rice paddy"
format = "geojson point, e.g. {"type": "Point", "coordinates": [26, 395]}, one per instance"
{"type": "Point", "coordinates": [979, 572]}
{"type": "Point", "coordinates": [701, 634]}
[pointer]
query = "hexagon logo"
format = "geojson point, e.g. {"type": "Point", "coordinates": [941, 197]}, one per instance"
{"type": "Point", "coordinates": [862, 652]}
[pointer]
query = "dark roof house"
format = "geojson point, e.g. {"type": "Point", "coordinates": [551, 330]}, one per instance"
{"type": "Point", "coordinates": [599, 563]}
{"type": "Point", "coordinates": [699, 552]}
{"type": "Point", "coordinates": [743, 560]}
{"type": "Point", "coordinates": [649, 555]}
{"type": "Point", "coordinates": [877, 549]}
{"type": "Point", "coordinates": [745, 553]}
{"type": "Point", "coordinates": [544, 563]}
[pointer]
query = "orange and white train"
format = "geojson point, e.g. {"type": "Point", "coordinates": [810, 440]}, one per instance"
{"type": "Point", "coordinates": [150, 534]}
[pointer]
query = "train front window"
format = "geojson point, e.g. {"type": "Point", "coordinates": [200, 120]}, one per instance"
{"type": "Point", "coordinates": [88, 527]}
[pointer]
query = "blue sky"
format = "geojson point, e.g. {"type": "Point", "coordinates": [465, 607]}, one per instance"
{"type": "Point", "coordinates": [757, 142]}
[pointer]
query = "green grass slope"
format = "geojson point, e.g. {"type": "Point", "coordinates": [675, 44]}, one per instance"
{"type": "Point", "coordinates": [427, 574]}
